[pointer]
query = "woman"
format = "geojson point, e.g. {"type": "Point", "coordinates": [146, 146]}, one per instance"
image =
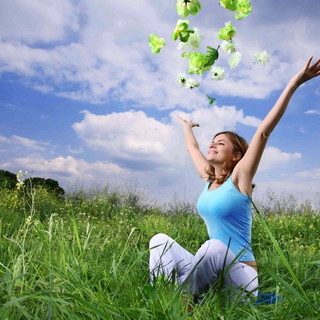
{"type": "Point", "coordinates": [228, 171]}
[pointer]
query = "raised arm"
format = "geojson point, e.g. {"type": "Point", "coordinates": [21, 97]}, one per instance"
{"type": "Point", "coordinates": [199, 160]}
{"type": "Point", "coordinates": [247, 166]}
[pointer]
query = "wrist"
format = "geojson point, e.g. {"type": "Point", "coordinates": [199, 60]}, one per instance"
{"type": "Point", "coordinates": [294, 84]}
{"type": "Point", "coordinates": [187, 127]}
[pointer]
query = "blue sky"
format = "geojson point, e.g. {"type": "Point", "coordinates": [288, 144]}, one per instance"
{"type": "Point", "coordinates": [84, 101]}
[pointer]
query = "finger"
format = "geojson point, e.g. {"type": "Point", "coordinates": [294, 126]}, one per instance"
{"type": "Point", "coordinates": [317, 74]}
{"type": "Point", "coordinates": [308, 64]}
{"type": "Point", "coordinates": [315, 65]}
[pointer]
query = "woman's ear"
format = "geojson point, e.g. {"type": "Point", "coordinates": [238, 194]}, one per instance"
{"type": "Point", "coordinates": [237, 156]}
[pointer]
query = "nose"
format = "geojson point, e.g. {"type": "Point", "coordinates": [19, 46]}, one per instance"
{"type": "Point", "coordinates": [213, 145]}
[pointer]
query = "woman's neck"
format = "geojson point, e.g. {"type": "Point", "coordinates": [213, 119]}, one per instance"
{"type": "Point", "coordinates": [220, 173]}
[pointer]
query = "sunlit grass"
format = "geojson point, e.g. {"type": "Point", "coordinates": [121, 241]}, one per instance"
{"type": "Point", "coordinates": [87, 258]}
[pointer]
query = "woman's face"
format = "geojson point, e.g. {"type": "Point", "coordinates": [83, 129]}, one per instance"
{"type": "Point", "coordinates": [221, 150]}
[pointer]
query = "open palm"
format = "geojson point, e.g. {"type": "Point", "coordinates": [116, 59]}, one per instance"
{"type": "Point", "coordinates": [308, 72]}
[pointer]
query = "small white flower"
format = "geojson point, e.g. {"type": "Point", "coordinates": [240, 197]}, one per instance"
{"type": "Point", "coordinates": [262, 57]}
{"type": "Point", "coordinates": [191, 83]}
{"type": "Point", "coordinates": [182, 80]}
{"type": "Point", "coordinates": [193, 42]}
{"type": "Point", "coordinates": [194, 39]}
{"type": "Point", "coordinates": [217, 73]}
{"type": "Point", "coordinates": [228, 46]}
{"type": "Point", "coordinates": [234, 59]}
{"type": "Point", "coordinates": [181, 45]}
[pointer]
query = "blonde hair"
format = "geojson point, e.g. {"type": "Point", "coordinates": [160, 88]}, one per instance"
{"type": "Point", "coordinates": [240, 145]}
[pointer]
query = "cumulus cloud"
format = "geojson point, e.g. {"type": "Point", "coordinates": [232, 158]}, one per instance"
{"type": "Point", "coordinates": [133, 136]}
{"type": "Point", "coordinates": [32, 21]}
{"type": "Point", "coordinates": [129, 135]}
{"type": "Point", "coordinates": [106, 57]}
{"type": "Point", "coordinates": [66, 169]}
{"type": "Point", "coordinates": [24, 142]}
{"type": "Point", "coordinates": [273, 157]}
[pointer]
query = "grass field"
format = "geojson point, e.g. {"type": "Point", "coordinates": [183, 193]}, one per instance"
{"type": "Point", "coordinates": [86, 257]}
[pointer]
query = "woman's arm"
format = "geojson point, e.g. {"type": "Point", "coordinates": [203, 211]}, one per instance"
{"type": "Point", "coordinates": [199, 160]}
{"type": "Point", "coordinates": [247, 166]}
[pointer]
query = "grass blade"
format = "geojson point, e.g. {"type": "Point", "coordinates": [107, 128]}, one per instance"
{"type": "Point", "coordinates": [283, 258]}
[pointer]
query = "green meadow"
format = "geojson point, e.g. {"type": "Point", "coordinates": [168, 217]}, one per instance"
{"type": "Point", "coordinates": [85, 256]}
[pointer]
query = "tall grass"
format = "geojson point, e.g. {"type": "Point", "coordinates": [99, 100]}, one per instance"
{"type": "Point", "coordinates": [86, 257]}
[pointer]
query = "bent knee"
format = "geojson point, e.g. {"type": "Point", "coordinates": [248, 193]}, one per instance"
{"type": "Point", "coordinates": [214, 247]}
{"type": "Point", "coordinates": [159, 239]}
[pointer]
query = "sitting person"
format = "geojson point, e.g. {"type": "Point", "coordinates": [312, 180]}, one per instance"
{"type": "Point", "coordinates": [225, 205]}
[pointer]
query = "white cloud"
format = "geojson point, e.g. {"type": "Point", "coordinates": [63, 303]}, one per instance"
{"type": "Point", "coordinates": [128, 135]}
{"type": "Point", "coordinates": [274, 157]}
{"type": "Point", "coordinates": [309, 175]}
{"type": "Point", "coordinates": [66, 169]}
{"type": "Point", "coordinates": [301, 185]}
{"type": "Point", "coordinates": [132, 135]}
{"type": "Point", "coordinates": [32, 21]}
{"type": "Point", "coordinates": [286, 189]}
{"type": "Point", "coordinates": [25, 142]}
{"type": "Point", "coordinates": [312, 112]}
{"type": "Point", "coordinates": [75, 150]}
{"type": "Point", "coordinates": [109, 58]}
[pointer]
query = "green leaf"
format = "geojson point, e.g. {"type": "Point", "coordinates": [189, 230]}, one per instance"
{"type": "Point", "coordinates": [313, 262]}
{"type": "Point", "coordinates": [186, 54]}
{"type": "Point", "coordinates": [182, 9]}
{"type": "Point", "coordinates": [181, 31]}
{"type": "Point", "coordinates": [194, 7]}
{"type": "Point", "coordinates": [186, 7]}
{"type": "Point", "coordinates": [211, 56]}
{"type": "Point", "coordinates": [227, 32]}
{"type": "Point", "coordinates": [229, 4]}
{"type": "Point", "coordinates": [243, 9]}
{"type": "Point", "coordinates": [155, 43]}
{"type": "Point", "coordinates": [211, 100]}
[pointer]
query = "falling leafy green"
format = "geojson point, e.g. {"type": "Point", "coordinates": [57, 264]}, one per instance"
{"type": "Point", "coordinates": [227, 32]}
{"type": "Point", "coordinates": [243, 9]}
{"type": "Point", "coordinates": [211, 56]}
{"type": "Point", "coordinates": [211, 100]}
{"type": "Point", "coordinates": [199, 62]}
{"type": "Point", "coordinates": [155, 43]}
{"type": "Point", "coordinates": [186, 7]}
{"type": "Point", "coordinates": [229, 4]}
{"type": "Point", "coordinates": [182, 31]}
{"type": "Point", "coordinates": [190, 39]}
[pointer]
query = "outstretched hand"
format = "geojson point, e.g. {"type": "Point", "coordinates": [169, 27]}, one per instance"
{"type": "Point", "coordinates": [188, 123]}
{"type": "Point", "coordinates": [308, 72]}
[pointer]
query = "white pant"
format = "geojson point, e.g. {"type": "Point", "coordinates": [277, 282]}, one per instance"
{"type": "Point", "coordinates": [201, 270]}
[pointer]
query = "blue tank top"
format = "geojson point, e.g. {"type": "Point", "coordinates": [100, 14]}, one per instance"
{"type": "Point", "coordinates": [227, 214]}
